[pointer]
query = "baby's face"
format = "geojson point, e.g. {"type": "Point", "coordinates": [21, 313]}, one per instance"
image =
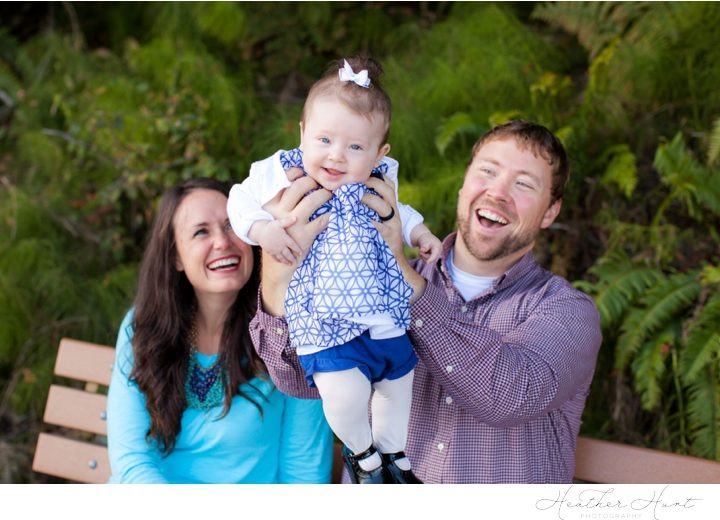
{"type": "Point", "coordinates": [340, 146]}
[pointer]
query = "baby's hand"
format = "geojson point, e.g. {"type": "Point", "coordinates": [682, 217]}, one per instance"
{"type": "Point", "coordinates": [429, 247]}
{"type": "Point", "coordinates": [275, 240]}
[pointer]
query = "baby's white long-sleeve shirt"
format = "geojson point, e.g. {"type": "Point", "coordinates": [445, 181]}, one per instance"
{"type": "Point", "coordinates": [267, 177]}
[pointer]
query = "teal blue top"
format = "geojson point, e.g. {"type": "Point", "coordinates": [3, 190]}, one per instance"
{"type": "Point", "coordinates": [289, 443]}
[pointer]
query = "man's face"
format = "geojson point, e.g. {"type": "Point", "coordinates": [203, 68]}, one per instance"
{"type": "Point", "coordinates": [502, 206]}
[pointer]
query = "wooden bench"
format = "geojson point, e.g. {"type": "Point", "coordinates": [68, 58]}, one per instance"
{"type": "Point", "coordinates": [78, 452]}
{"type": "Point", "coordinates": [605, 462]}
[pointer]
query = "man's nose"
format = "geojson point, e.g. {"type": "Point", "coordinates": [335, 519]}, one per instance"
{"type": "Point", "coordinates": [499, 188]}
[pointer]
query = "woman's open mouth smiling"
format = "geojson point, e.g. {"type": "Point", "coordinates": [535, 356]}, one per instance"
{"type": "Point", "coordinates": [226, 263]}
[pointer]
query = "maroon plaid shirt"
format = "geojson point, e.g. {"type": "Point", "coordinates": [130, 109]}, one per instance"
{"type": "Point", "coordinates": [501, 382]}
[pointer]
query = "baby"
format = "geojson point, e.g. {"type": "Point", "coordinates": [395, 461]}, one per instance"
{"type": "Point", "coordinates": [347, 305]}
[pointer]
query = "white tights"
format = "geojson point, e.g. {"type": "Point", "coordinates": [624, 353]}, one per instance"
{"type": "Point", "coordinates": [345, 395]}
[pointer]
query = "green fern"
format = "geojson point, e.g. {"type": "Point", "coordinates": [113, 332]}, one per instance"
{"type": "Point", "coordinates": [594, 23]}
{"type": "Point", "coordinates": [498, 118]}
{"type": "Point", "coordinates": [665, 302]}
{"type": "Point", "coordinates": [702, 346]}
{"type": "Point", "coordinates": [620, 283]}
{"type": "Point", "coordinates": [478, 61]}
{"type": "Point", "coordinates": [697, 187]}
{"type": "Point", "coordinates": [703, 413]}
{"type": "Point", "coordinates": [714, 149]}
{"type": "Point", "coordinates": [621, 168]}
{"type": "Point", "coordinates": [224, 21]}
{"type": "Point", "coordinates": [649, 365]}
{"type": "Point", "coordinates": [456, 126]}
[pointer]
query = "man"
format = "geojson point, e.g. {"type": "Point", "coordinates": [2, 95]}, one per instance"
{"type": "Point", "coordinates": [506, 349]}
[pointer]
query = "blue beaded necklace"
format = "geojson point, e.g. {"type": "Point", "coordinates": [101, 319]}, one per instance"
{"type": "Point", "coordinates": [204, 386]}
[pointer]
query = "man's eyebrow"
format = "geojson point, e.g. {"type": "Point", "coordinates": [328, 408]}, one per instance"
{"type": "Point", "coordinates": [530, 174]}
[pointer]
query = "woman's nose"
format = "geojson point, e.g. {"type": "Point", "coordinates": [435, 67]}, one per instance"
{"type": "Point", "coordinates": [222, 240]}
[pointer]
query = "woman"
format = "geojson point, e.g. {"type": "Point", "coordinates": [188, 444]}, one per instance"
{"type": "Point", "coordinates": [190, 401]}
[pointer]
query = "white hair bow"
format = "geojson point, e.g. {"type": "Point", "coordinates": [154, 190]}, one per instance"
{"type": "Point", "coordinates": [361, 78]}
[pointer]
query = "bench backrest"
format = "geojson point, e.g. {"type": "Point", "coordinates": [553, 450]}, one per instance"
{"type": "Point", "coordinates": [605, 462]}
{"type": "Point", "coordinates": [77, 450]}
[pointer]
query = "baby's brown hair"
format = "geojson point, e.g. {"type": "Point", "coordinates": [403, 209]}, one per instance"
{"type": "Point", "coordinates": [367, 101]}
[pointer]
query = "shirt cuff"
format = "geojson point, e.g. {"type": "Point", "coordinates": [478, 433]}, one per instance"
{"type": "Point", "coordinates": [430, 312]}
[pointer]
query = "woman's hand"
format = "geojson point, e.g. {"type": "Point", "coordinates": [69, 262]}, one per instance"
{"type": "Point", "coordinates": [391, 230]}
{"type": "Point", "coordinates": [292, 210]}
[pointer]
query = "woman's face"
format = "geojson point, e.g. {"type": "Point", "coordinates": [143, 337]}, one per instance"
{"type": "Point", "coordinates": [213, 258]}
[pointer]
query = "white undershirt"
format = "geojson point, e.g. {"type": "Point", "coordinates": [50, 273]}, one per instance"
{"type": "Point", "coordinates": [468, 284]}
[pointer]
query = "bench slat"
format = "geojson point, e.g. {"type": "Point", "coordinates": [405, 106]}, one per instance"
{"type": "Point", "coordinates": [604, 462]}
{"type": "Point", "coordinates": [71, 459]}
{"type": "Point", "coordinates": [76, 409]}
{"type": "Point", "coordinates": [85, 361]}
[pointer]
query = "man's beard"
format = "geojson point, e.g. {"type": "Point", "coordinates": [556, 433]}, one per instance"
{"type": "Point", "coordinates": [508, 246]}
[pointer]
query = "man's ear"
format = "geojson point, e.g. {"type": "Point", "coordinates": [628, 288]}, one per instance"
{"type": "Point", "coordinates": [551, 214]}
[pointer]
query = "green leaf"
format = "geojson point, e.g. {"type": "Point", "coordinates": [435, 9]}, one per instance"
{"type": "Point", "coordinates": [648, 367]}
{"type": "Point", "coordinates": [620, 284]}
{"type": "Point", "coordinates": [498, 118]}
{"type": "Point", "coordinates": [702, 346]}
{"type": "Point", "coordinates": [458, 124]}
{"type": "Point", "coordinates": [222, 20]}
{"type": "Point", "coordinates": [621, 169]}
{"type": "Point", "coordinates": [665, 302]}
{"type": "Point", "coordinates": [704, 414]}
{"type": "Point", "coordinates": [696, 186]}
{"type": "Point", "coordinates": [714, 150]}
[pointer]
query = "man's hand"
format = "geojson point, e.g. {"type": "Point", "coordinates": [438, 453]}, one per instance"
{"type": "Point", "coordinates": [292, 210]}
{"type": "Point", "coordinates": [391, 230]}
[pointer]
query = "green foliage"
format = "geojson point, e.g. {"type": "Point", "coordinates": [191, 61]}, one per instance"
{"type": "Point", "coordinates": [95, 125]}
{"type": "Point", "coordinates": [704, 415]}
{"type": "Point", "coordinates": [595, 24]}
{"type": "Point", "coordinates": [664, 324]}
{"type": "Point", "coordinates": [457, 125]}
{"type": "Point", "coordinates": [697, 187]}
{"type": "Point", "coordinates": [480, 53]}
{"type": "Point", "coordinates": [702, 339]}
{"type": "Point", "coordinates": [662, 304]}
{"type": "Point", "coordinates": [621, 169]}
{"type": "Point", "coordinates": [649, 366]}
{"type": "Point", "coordinates": [620, 284]}
{"type": "Point", "coordinates": [714, 148]}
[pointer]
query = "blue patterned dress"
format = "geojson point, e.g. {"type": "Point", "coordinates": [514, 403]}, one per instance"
{"type": "Point", "coordinates": [348, 273]}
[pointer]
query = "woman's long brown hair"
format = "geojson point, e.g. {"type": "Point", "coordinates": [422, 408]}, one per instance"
{"type": "Point", "coordinates": [164, 307]}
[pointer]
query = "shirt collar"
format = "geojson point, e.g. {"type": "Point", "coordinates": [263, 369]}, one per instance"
{"type": "Point", "coordinates": [516, 271]}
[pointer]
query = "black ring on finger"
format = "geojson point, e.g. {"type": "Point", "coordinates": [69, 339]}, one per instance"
{"type": "Point", "coordinates": [391, 215]}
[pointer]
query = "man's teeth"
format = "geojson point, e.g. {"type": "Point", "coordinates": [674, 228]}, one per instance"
{"type": "Point", "coordinates": [223, 262]}
{"type": "Point", "coordinates": [485, 213]}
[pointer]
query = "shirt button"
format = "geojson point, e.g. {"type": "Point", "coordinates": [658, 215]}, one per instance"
{"type": "Point", "coordinates": [449, 400]}
{"type": "Point", "coordinates": [449, 368]}
{"type": "Point", "coordinates": [418, 323]}
{"type": "Point", "coordinates": [441, 446]}
{"type": "Point", "coordinates": [463, 308]}
{"type": "Point", "coordinates": [278, 331]}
